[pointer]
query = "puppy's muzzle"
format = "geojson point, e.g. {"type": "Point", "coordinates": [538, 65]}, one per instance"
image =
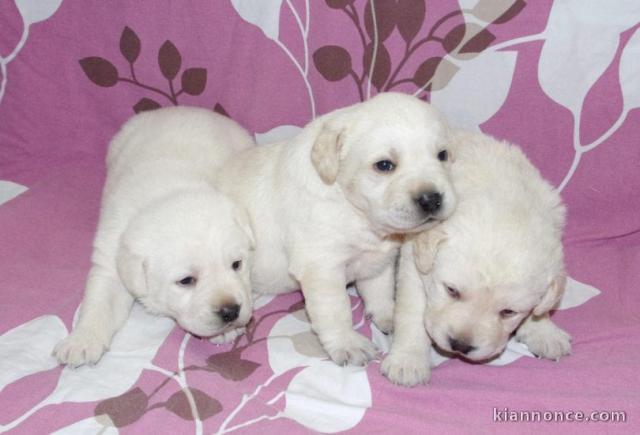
{"type": "Point", "coordinates": [430, 201]}
{"type": "Point", "coordinates": [229, 313]}
{"type": "Point", "coordinates": [460, 346]}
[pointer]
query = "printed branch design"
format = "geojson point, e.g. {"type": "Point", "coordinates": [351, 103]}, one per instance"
{"type": "Point", "coordinates": [380, 19]}
{"type": "Point", "coordinates": [193, 81]}
{"type": "Point", "coordinates": [189, 403]}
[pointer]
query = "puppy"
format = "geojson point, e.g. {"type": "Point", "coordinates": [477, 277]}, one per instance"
{"type": "Point", "coordinates": [494, 267]}
{"type": "Point", "coordinates": [166, 237]}
{"type": "Point", "coordinates": [327, 207]}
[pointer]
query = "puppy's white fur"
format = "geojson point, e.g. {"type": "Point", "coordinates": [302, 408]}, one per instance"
{"type": "Point", "coordinates": [501, 250]}
{"type": "Point", "coordinates": [162, 221]}
{"type": "Point", "coordinates": [324, 216]}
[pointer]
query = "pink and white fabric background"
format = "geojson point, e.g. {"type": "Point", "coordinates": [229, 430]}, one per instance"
{"type": "Point", "coordinates": [562, 79]}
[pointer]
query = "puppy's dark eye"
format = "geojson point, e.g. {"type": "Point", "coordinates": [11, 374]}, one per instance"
{"type": "Point", "coordinates": [507, 313]}
{"type": "Point", "coordinates": [187, 281]}
{"type": "Point", "coordinates": [385, 166]}
{"type": "Point", "coordinates": [236, 265]}
{"type": "Point", "coordinates": [455, 294]}
{"type": "Point", "coordinates": [443, 155]}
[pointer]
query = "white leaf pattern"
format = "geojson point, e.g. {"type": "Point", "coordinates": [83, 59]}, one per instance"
{"type": "Point", "coordinates": [262, 13]}
{"type": "Point", "coordinates": [18, 360]}
{"type": "Point", "coordinates": [576, 294]}
{"type": "Point", "coordinates": [132, 350]}
{"type": "Point", "coordinates": [87, 426]}
{"type": "Point", "coordinates": [277, 134]}
{"type": "Point", "coordinates": [578, 48]}
{"type": "Point", "coordinates": [9, 190]}
{"type": "Point", "coordinates": [282, 353]}
{"type": "Point", "coordinates": [630, 72]}
{"type": "Point", "coordinates": [478, 90]}
{"type": "Point", "coordinates": [328, 398]}
{"type": "Point", "coordinates": [34, 11]}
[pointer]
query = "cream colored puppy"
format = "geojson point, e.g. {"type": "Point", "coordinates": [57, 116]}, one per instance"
{"type": "Point", "coordinates": [166, 237]}
{"type": "Point", "coordinates": [327, 208]}
{"type": "Point", "coordinates": [494, 267]}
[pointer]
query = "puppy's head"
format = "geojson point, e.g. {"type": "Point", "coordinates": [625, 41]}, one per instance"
{"type": "Point", "coordinates": [188, 257]}
{"type": "Point", "coordinates": [498, 259]}
{"type": "Point", "coordinates": [391, 157]}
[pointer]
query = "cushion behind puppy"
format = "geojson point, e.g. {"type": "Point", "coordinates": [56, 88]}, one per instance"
{"type": "Point", "coordinates": [165, 235]}
{"type": "Point", "coordinates": [496, 265]}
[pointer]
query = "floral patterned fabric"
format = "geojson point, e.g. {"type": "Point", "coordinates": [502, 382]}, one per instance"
{"type": "Point", "coordinates": [562, 79]}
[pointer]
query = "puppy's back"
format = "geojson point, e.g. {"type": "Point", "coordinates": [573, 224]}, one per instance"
{"type": "Point", "coordinates": [505, 205]}
{"type": "Point", "coordinates": [200, 136]}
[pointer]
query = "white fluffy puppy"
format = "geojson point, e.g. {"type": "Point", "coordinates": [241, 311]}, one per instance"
{"type": "Point", "coordinates": [166, 237]}
{"type": "Point", "coordinates": [496, 266]}
{"type": "Point", "coordinates": [327, 208]}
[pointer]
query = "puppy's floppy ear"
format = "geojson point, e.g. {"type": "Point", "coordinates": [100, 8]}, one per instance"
{"type": "Point", "coordinates": [325, 153]}
{"type": "Point", "coordinates": [132, 269]}
{"type": "Point", "coordinates": [425, 248]}
{"type": "Point", "coordinates": [552, 297]}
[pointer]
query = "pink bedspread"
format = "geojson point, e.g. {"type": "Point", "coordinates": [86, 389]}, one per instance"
{"type": "Point", "coordinates": [562, 79]}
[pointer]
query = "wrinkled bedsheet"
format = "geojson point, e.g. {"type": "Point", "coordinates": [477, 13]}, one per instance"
{"type": "Point", "coordinates": [562, 79]}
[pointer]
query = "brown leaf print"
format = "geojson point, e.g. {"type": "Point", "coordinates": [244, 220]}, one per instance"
{"type": "Point", "coordinates": [146, 104]}
{"type": "Point", "coordinates": [511, 13]}
{"type": "Point", "coordinates": [409, 18]}
{"type": "Point", "coordinates": [307, 343]}
{"type": "Point", "coordinates": [381, 65]}
{"type": "Point", "coordinates": [332, 62]}
{"type": "Point", "coordinates": [129, 45]}
{"type": "Point", "coordinates": [219, 109]}
{"type": "Point", "coordinates": [426, 71]}
{"type": "Point", "coordinates": [169, 60]}
{"type": "Point", "coordinates": [478, 43]}
{"type": "Point", "coordinates": [454, 37]}
{"type": "Point", "coordinates": [100, 71]}
{"type": "Point", "coordinates": [385, 12]}
{"type": "Point", "coordinates": [339, 4]}
{"type": "Point", "coordinates": [231, 366]}
{"type": "Point", "coordinates": [124, 409]}
{"type": "Point", "coordinates": [194, 80]}
{"type": "Point", "coordinates": [179, 404]}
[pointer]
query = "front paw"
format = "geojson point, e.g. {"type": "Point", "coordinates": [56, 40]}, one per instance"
{"type": "Point", "coordinates": [228, 336]}
{"type": "Point", "coordinates": [350, 348]}
{"type": "Point", "coordinates": [80, 348]}
{"type": "Point", "coordinates": [545, 340]}
{"type": "Point", "coordinates": [406, 368]}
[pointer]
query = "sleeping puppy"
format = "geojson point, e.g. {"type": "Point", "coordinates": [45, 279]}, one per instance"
{"type": "Point", "coordinates": [328, 206]}
{"type": "Point", "coordinates": [166, 237]}
{"type": "Point", "coordinates": [494, 267]}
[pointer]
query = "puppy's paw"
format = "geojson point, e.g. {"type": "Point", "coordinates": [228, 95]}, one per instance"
{"type": "Point", "coordinates": [80, 348]}
{"type": "Point", "coordinates": [350, 349]}
{"type": "Point", "coordinates": [406, 368]}
{"type": "Point", "coordinates": [545, 340]}
{"type": "Point", "coordinates": [383, 319]}
{"type": "Point", "coordinates": [228, 336]}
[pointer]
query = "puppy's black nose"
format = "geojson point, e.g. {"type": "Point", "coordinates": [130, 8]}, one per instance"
{"type": "Point", "coordinates": [230, 312]}
{"type": "Point", "coordinates": [429, 201]}
{"type": "Point", "coordinates": [460, 346]}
